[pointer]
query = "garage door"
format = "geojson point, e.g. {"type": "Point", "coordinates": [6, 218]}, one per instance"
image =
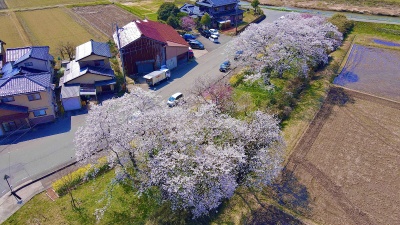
{"type": "Point", "coordinates": [145, 67]}
{"type": "Point", "coordinates": [71, 103]}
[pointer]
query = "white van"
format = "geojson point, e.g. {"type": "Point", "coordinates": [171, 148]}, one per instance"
{"type": "Point", "coordinates": [214, 38]}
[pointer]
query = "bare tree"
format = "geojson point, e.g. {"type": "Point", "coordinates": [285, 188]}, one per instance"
{"type": "Point", "coordinates": [66, 50]}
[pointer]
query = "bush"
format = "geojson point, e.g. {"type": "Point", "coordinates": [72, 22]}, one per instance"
{"type": "Point", "coordinates": [342, 23]}
{"type": "Point", "coordinates": [72, 180]}
{"type": "Point", "coordinates": [236, 79]}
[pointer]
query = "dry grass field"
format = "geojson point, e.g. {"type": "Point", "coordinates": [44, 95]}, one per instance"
{"type": "Point", "coordinates": [348, 161]}
{"type": "Point", "coordinates": [11, 31]}
{"type": "Point", "coordinates": [17, 4]}
{"type": "Point", "coordinates": [52, 26]}
{"type": "Point", "coordinates": [102, 17]}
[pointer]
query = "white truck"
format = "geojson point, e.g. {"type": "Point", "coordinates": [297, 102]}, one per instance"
{"type": "Point", "coordinates": [156, 76]}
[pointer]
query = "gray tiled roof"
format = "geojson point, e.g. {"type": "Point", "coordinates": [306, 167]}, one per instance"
{"type": "Point", "coordinates": [127, 34]}
{"type": "Point", "coordinates": [21, 54]}
{"type": "Point", "coordinates": [23, 84]}
{"type": "Point", "coordinates": [74, 71]}
{"type": "Point", "coordinates": [92, 48]}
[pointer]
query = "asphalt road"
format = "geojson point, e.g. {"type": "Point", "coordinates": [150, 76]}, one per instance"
{"type": "Point", "coordinates": [25, 157]}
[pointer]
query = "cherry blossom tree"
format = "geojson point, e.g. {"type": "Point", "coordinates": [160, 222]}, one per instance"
{"type": "Point", "coordinates": [296, 42]}
{"type": "Point", "coordinates": [195, 155]}
{"type": "Point", "coordinates": [187, 23]}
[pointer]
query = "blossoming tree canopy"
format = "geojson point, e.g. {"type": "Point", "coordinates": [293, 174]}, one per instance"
{"type": "Point", "coordinates": [297, 41]}
{"type": "Point", "coordinates": [195, 156]}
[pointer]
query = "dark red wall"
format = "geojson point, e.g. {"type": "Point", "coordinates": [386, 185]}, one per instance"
{"type": "Point", "coordinates": [140, 50]}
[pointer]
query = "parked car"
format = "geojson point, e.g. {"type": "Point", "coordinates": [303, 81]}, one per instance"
{"type": "Point", "coordinates": [214, 32]}
{"type": "Point", "coordinates": [196, 44]}
{"type": "Point", "coordinates": [213, 38]}
{"type": "Point", "coordinates": [190, 53]}
{"type": "Point", "coordinates": [189, 37]}
{"type": "Point", "coordinates": [174, 99]}
{"type": "Point", "coordinates": [205, 33]}
{"type": "Point", "coordinates": [238, 54]}
{"type": "Point", "coordinates": [225, 66]}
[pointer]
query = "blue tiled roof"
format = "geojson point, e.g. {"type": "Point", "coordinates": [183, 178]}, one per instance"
{"type": "Point", "coordinates": [36, 52]}
{"type": "Point", "coordinates": [15, 108]}
{"type": "Point", "coordinates": [99, 71]}
{"type": "Point", "coordinates": [222, 2]}
{"type": "Point", "coordinates": [92, 48]}
{"type": "Point", "coordinates": [22, 84]}
{"type": "Point", "coordinates": [8, 70]}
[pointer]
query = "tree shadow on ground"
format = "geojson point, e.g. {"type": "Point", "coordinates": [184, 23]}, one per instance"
{"type": "Point", "coordinates": [338, 96]}
{"type": "Point", "coordinates": [290, 193]}
{"type": "Point", "coordinates": [271, 215]}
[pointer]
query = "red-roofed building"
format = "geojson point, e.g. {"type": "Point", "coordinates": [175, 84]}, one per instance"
{"type": "Point", "coordinates": [146, 45]}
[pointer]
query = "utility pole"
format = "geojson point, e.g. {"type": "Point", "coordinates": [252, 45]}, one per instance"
{"type": "Point", "coordinates": [19, 199]}
{"type": "Point", "coordinates": [121, 52]}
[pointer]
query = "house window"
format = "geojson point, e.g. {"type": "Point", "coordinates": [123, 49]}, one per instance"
{"type": "Point", "coordinates": [28, 64]}
{"type": "Point", "coordinates": [9, 126]}
{"type": "Point", "coordinates": [216, 9]}
{"type": "Point", "coordinates": [8, 99]}
{"type": "Point", "coordinates": [226, 7]}
{"type": "Point", "coordinates": [99, 63]}
{"type": "Point", "coordinates": [34, 97]}
{"type": "Point", "coordinates": [40, 112]}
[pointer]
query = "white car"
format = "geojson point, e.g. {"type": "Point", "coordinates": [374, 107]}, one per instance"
{"type": "Point", "coordinates": [214, 32]}
{"type": "Point", "coordinates": [174, 99]}
{"type": "Point", "coordinates": [214, 38]}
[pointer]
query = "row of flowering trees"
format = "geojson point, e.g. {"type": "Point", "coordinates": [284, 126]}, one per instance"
{"type": "Point", "coordinates": [297, 42]}
{"type": "Point", "coordinates": [196, 157]}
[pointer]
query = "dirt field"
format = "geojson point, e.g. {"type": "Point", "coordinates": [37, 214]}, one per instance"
{"type": "Point", "coordinates": [102, 17]}
{"type": "Point", "coordinates": [39, 3]}
{"type": "Point", "coordinates": [364, 72]}
{"type": "Point", "coordinates": [11, 32]}
{"type": "Point", "coordinates": [348, 162]}
{"type": "Point", "coordinates": [52, 26]}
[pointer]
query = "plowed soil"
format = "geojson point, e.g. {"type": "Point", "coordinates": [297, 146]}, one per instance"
{"type": "Point", "coordinates": [104, 17]}
{"type": "Point", "coordinates": [348, 161]}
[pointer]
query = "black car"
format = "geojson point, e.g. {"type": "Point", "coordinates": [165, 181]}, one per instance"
{"type": "Point", "coordinates": [205, 33]}
{"type": "Point", "coordinates": [196, 44]}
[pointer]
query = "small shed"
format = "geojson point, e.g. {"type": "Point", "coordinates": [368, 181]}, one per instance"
{"type": "Point", "coordinates": [70, 97]}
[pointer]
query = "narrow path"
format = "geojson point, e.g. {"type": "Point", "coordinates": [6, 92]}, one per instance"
{"type": "Point", "coordinates": [20, 29]}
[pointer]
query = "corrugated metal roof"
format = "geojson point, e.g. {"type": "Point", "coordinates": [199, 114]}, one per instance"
{"type": "Point", "coordinates": [92, 48]}
{"type": "Point", "coordinates": [127, 34]}
{"type": "Point", "coordinates": [13, 54]}
{"type": "Point", "coordinates": [22, 84]}
{"type": "Point", "coordinates": [15, 108]}
{"type": "Point", "coordinates": [151, 29]}
{"type": "Point", "coordinates": [70, 91]}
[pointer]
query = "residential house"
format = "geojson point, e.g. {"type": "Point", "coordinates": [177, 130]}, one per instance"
{"type": "Point", "coordinates": [26, 60]}
{"type": "Point", "coordinates": [89, 74]}
{"type": "Point", "coordinates": [2, 54]}
{"type": "Point", "coordinates": [220, 11]}
{"type": "Point", "coordinates": [26, 100]}
{"type": "Point", "coordinates": [147, 45]}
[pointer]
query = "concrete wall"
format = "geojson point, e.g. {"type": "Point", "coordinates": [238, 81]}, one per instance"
{"type": "Point", "coordinates": [36, 64]}
{"type": "Point", "coordinates": [45, 102]}
{"type": "Point", "coordinates": [173, 51]}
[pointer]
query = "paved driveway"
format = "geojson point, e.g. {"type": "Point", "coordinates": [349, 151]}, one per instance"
{"type": "Point", "coordinates": [28, 156]}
